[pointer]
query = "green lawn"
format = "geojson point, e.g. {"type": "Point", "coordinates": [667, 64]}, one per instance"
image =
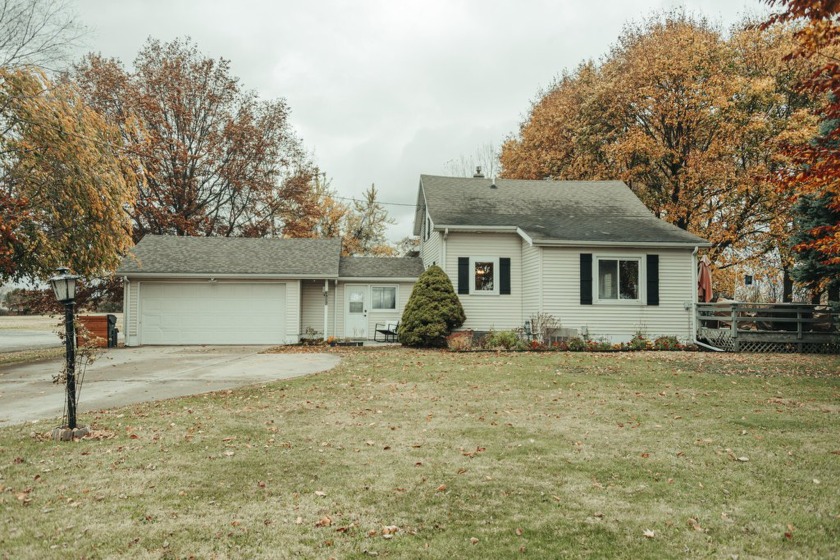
{"type": "Point", "coordinates": [414, 454]}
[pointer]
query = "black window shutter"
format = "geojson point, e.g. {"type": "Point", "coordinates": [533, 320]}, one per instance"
{"type": "Point", "coordinates": [504, 276]}
{"type": "Point", "coordinates": [586, 278]}
{"type": "Point", "coordinates": [653, 279]}
{"type": "Point", "coordinates": [463, 275]}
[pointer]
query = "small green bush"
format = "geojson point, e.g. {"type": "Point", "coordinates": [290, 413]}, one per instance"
{"type": "Point", "coordinates": [432, 312]}
{"type": "Point", "coordinates": [639, 342]}
{"type": "Point", "coordinates": [576, 344]}
{"type": "Point", "coordinates": [506, 340]}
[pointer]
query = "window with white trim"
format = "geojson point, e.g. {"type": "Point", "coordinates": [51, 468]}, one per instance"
{"type": "Point", "coordinates": [383, 297]}
{"type": "Point", "coordinates": [618, 279]}
{"type": "Point", "coordinates": [485, 275]}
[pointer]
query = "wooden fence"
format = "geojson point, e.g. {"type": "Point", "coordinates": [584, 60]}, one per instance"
{"type": "Point", "coordinates": [769, 327]}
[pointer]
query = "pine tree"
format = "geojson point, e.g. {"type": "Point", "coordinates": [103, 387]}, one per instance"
{"type": "Point", "coordinates": [432, 311]}
{"type": "Point", "coordinates": [811, 270]}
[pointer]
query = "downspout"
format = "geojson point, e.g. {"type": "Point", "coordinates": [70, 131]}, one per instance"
{"type": "Point", "coordinates": [694, 304]}
{"type": "Point", "coordinates": [326, 306]}
{"type": "Point", "coordinates": [443, 249]}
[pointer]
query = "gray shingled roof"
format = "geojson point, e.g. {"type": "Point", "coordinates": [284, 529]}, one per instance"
{"type": "Point", "coordinates": [380, 267]}
{"type": "Point", "coordinates": [585, 211]}
{"type": "Point", "coordinates": [166, 254]}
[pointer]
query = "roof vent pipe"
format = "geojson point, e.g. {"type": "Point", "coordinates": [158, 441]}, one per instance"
{"type": "Point", "coordinates": [478, 173]}
{"type": "Point", "coordinates": [493, 183]}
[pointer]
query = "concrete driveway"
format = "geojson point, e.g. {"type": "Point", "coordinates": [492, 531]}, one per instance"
{"type": "Point", "coordinates": [122, 376]}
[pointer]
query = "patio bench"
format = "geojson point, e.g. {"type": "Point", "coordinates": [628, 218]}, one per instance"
{"type": "Point", "coordinates": [388, 331]}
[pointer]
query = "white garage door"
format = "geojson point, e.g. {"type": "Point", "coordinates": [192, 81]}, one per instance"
{"type": "Point", "coordinates": [212, 313]}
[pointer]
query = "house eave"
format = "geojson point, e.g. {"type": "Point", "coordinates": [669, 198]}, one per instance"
{"type": "Point", "coordinates": [645, 244]}
{"type": "Point", "coordinates": [217, 276]}
{"type": "Point", "coordinates": [478, 229]}
{"type": "Point", "coordinates": [377, 279]}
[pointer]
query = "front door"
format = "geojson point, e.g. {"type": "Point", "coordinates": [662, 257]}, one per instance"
{"type": "Point", "coordinates": [356, 319]}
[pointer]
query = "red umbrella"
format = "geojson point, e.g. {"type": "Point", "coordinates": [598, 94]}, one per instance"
{"type": "Point", "coordinates": [704, 280]}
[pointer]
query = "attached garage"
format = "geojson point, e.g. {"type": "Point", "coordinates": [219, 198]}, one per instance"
{"type": "Point", "coordinates": [212, 313]}
{"type": "Point", "coordinates": [219, 290]}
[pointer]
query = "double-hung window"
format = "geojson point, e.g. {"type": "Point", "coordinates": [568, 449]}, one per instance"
{"type": "Point", "coordinates": [485, 275]}
{"type": "Point", "coordinates": [383, 297]}
{"type": "Point", "coordinates": [618, 279]}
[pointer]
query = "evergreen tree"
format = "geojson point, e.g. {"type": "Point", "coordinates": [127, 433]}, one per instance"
{"type": "Point", "coordinates": [432, 311]}
{"type": "Point", "coordinates": [811, 270]}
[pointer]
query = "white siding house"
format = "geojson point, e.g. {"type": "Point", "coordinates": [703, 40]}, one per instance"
{"type": "Point", "coordinates": [589, 253]}
{"type": "Point", "coordinates": [189, 290]}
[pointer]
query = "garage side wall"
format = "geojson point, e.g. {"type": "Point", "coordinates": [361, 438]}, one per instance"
{"type": "Point", "coordinates": [293, 312]}
{"type": "Point", "coordinates": [130, 313]}
{"type": "Point", "coordinates": [312, 307]}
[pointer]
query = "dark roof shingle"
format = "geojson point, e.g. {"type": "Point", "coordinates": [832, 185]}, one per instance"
{"type": "Point", "coordinates": [168, 254]}
{"type": "Point", "coordinates": [380, 267]}
{"type": "Point", "coordinates": [585, 211]}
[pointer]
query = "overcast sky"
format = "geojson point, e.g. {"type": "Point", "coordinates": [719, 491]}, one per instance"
{"type": "Point", "coordinates": [382, 91]}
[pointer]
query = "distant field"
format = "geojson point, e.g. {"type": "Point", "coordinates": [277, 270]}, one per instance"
{"type": "Point", "coordinates": [30, 322]}
{"type": "Point", "coordinates": [44, 323]}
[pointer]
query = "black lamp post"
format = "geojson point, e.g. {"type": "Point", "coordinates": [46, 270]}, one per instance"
{"type": "Point", "coordinates": [64, 286]}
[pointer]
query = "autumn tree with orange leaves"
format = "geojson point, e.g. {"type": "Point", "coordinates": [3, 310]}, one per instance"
{"type": "Point", "coordinates": [814, 170]}
{"type": "Point", "coordinates": [214, 159]}
{"type": "Point", "coordinates": [64, 181]}
{"type": "Point", "coordinates": [690, 118]}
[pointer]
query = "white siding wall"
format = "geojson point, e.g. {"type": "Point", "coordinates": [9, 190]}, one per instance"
{"type": "Point", "coordinates": [132, 313]}
{"type": "Point", "coordinates": [292, 311]}
{"type": "Point", "coordinates": [312, 306]}
{"type": "Point", "coordinates": [485, 312]}
{"type": "Point", "coordinates": [618, 322]}
{"type": "Point", "coordinates": [340, 308]}
{"type": "Point", "coordinates": [403, 291]}
{"type": "Point", "coordinates": [531, 284]}
{"type": "Point", "coordinates": [373, 317]}
{"type": "Point", "coordinates": [430, 249]}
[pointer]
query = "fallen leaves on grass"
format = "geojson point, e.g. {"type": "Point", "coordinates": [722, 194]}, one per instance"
{"type": "Point", "coordinates": [389, 531]}
{"type": "Point", "coordinates": [325, 521]}
{"type": "Point", "coordinates": [649, 534]}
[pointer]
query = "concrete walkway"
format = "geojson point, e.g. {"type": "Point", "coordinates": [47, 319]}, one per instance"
{"type": "Point", "coordinates": [122, 376]}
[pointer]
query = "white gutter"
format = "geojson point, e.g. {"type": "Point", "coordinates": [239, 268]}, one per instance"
{"type": "Point", "coordinates": [208, 276]}
{"type": "Point", "coordinates": [477, 229]}
{"type": "Point", "coordinates": [671, 244]}
{"type": "Point", "coordinates": [376, 279]}
{"type": "Point", "coordinates": [563, 242]}
{"type": "Point", "coordinates": [525, 236]}
{"type": "Point", "coordinates": [694, 303]}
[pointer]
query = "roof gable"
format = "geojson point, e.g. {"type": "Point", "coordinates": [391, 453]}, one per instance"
{"type": "Point", "coordinates": [172, 255]}
{"type": "Point", "coordinates": [548, 211]}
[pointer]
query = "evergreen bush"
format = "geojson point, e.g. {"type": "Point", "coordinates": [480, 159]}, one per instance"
{"type": "Point", "coordinates": [432, 311]}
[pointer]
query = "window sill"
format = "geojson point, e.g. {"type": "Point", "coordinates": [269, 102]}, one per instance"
{"type": "Point", "coordinates": [619, 302]}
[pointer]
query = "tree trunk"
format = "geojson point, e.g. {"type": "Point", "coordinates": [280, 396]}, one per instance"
{"type": "Point", "coordinates": [834, 292]}
{"type": "Point", "coordinates": [787, 286]}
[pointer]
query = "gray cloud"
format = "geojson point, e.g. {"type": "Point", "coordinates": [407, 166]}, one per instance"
{"type": "Point", "coordinates": [382, 91]}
